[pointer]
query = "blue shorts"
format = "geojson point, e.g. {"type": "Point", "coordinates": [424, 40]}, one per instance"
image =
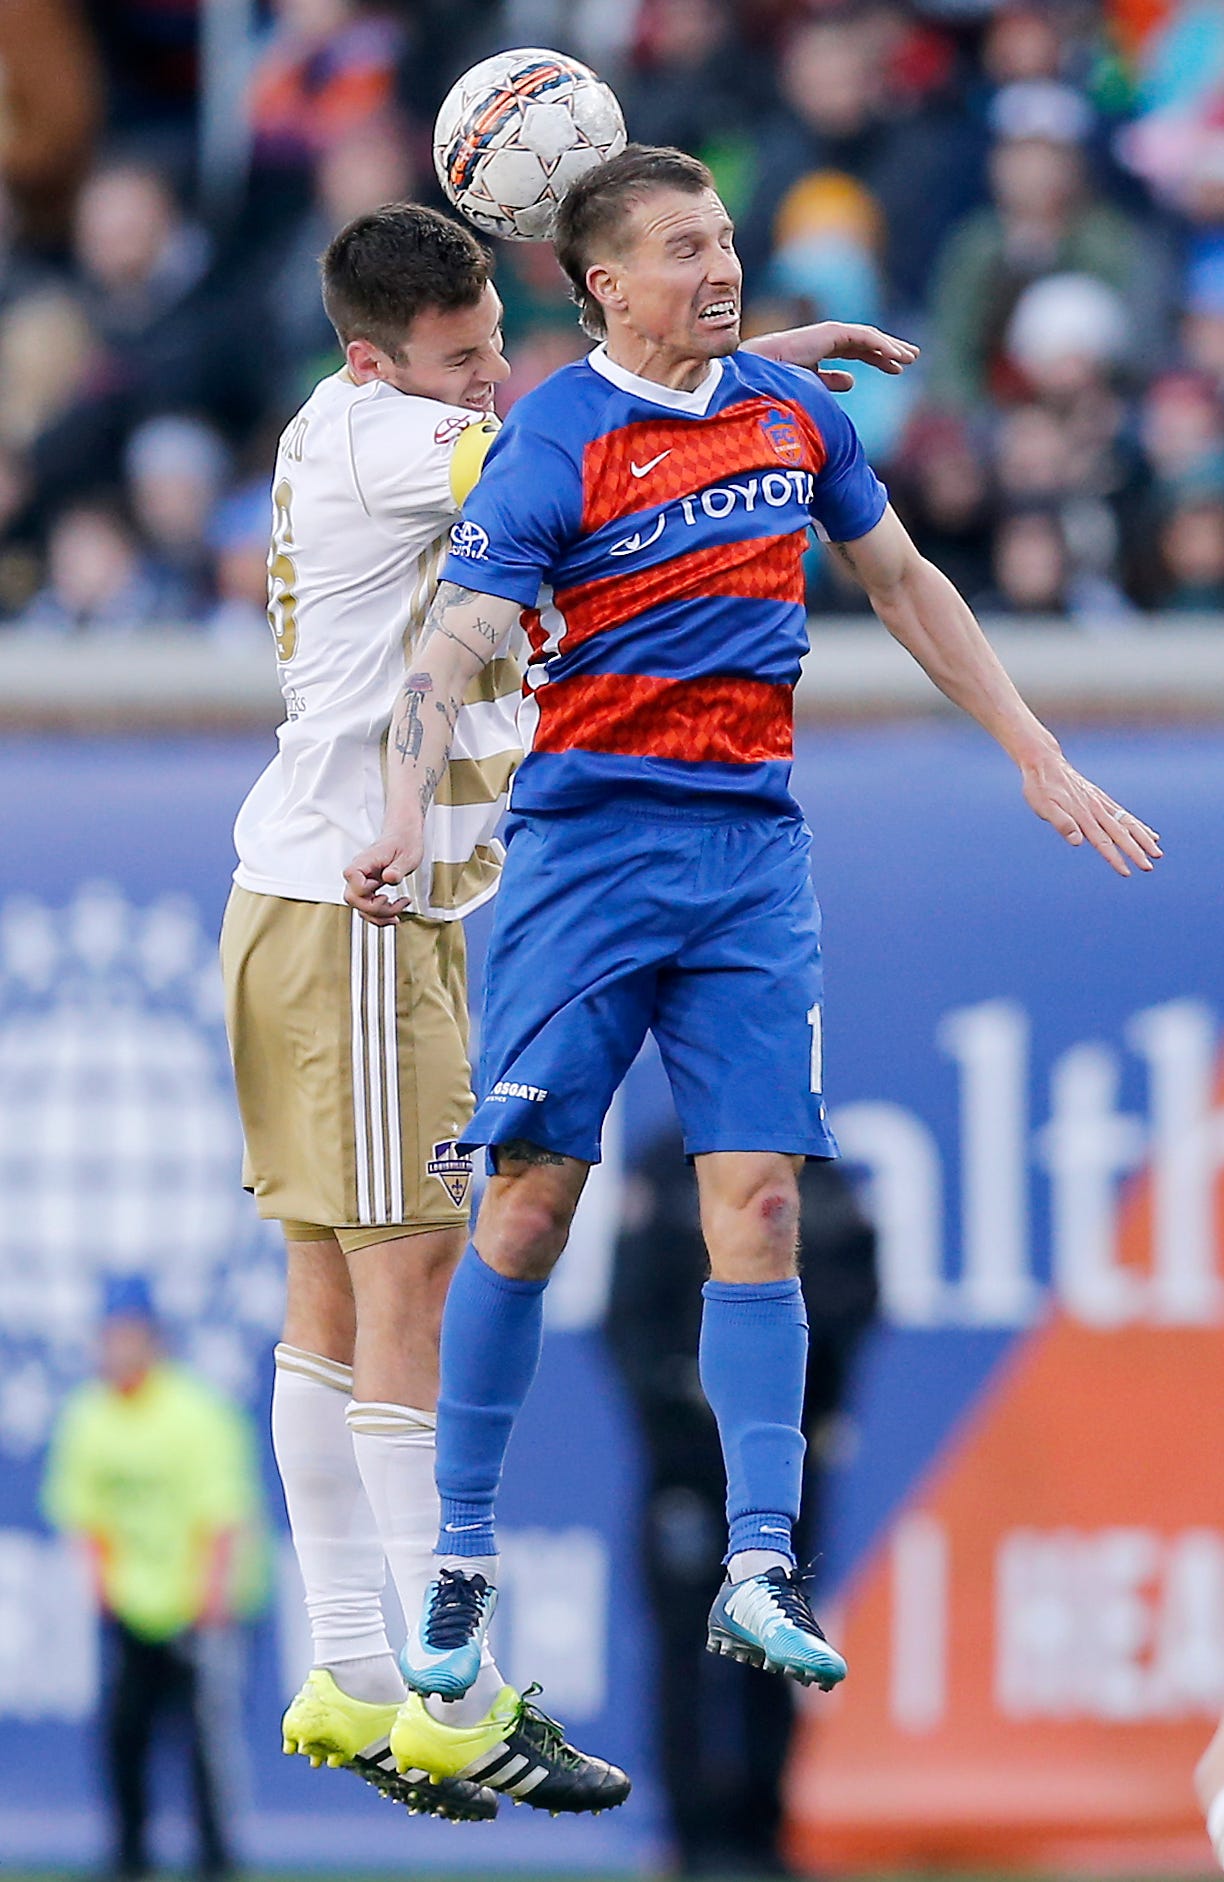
{"type": "Point", "coordinates": [611, 924]}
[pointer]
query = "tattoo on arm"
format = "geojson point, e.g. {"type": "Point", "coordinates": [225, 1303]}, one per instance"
{"type": "Point", "coordinates": [519, 1150]}
{"type": "Point", "coordinates": [409, 731]}
{"type": "Point", "coordinates": [842, 552]}
{"type": "Point", "coordinates": [449, 599]}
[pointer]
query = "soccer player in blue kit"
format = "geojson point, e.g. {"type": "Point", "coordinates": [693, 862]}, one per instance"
{"type": "Point", "coordinates": [648, 509]}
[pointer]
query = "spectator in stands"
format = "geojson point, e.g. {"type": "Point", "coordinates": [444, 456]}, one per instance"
{"type": "Point", "coordinates": [697, 83]}
{"type": "Point", "coordinates": [176, 469]}
{"type": "Point", "coordinates": [329, 67]}
{"type": "Point", "coordinates": [1192, 554]}
{"type": "Point", "coordinates": [922, 164]}
{"type": "Point", "coordinates": [1066, 346]}
{"type": "Point", "coordinates": [169, 332]}
{"type": "Point", "coordinates": [1182, 431]}
{"type": "Point", "coordinates": [1023, 43]}
{"type": "Point", "coordinates": [1203, 322]}
{"type": "Point", "coordinates": [98, 581]}
{"type": "Point", "coordinates": [238, 536]}
{"type": "Point", "coordinates": [369, 164]}
{"type": "Point", "coordinates": [154, 1474]}
{"type": "Point", "coordinates": [50, 359]}
{"type": "Point", "coordinates": [50, 86]}
{"type": "Point", "coordinates": [941, 489]}
{"type": "Point", "coordinates": [1034, 575]}
{"type": "Point", "coordinates": [723, 1733]}
{"type": "Point", "coordinates": [827, 263]}
{"type": "Point", "coordinates": [1045, 219]}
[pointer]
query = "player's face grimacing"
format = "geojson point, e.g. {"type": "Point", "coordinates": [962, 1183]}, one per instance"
{"type": "Point", "coordinates": [451, 354]}
{"type": "Point", "coordinates": [678, 280]}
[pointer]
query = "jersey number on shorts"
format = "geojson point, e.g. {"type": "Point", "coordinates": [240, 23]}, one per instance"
{"type": "Point", "coordinates": [282, 575]}
{"type": "Point", "coordinates": [817, 1061]}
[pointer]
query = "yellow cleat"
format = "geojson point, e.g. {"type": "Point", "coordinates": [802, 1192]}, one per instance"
{"type": "Point", "coordinates": [515, 1748]}
{"type": "Point", "coordinates": [325, 1725]}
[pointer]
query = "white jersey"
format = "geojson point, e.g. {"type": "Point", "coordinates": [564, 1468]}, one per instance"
{"type": "Point", "coordinates": [368, 482]}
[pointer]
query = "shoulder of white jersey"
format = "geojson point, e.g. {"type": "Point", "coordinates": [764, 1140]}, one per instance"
{"type": "Point", "coordinates": [408, 450]}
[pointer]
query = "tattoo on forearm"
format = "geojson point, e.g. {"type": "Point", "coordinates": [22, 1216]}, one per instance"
{"type": "Point", "coordinates": [429, 785]}
{"type": "Point", "coordinates": [409, 731]}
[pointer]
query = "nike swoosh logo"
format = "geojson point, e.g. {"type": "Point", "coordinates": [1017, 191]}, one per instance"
{"type": "Point", "coordinates": [461, 1529]}
{"type": "Point", "coordinates": [640, 470]}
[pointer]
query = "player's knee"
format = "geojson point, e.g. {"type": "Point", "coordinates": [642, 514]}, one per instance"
{"type": "Point", "coordinates": [524, 1226]}
{"type": "Point", "coordinates": [754, 1235]}
{"type": "Point", "coordinates": [772, 1216]}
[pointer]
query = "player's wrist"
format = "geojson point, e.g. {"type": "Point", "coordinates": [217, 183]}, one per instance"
{"type": "Point", "coordinates": [1033, 747]}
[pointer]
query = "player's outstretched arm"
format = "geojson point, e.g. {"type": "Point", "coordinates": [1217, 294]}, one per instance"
{"type": "Point", "coordinates": [920, 608]}
{"type": "Point", "coordinates": [834, 339]}
{"type": "Point", "coordinates": [461, 634]}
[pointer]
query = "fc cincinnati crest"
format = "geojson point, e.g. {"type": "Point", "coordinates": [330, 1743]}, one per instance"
{"type": "Point", "coordinates": [783, 434]}
{"type": "Point", "coordinates": [453, 1169]}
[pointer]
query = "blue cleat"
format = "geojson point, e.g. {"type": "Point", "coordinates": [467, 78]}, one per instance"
{"type": "Point", "coordinates": [766, 1621]}
{"type": "Point", "coordinates": [442, 1653]}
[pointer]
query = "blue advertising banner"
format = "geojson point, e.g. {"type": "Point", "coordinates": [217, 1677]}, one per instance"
{"type": "Point", "coordinates": [1013, 1039]}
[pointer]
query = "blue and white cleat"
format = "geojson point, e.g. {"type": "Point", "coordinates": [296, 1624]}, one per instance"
{"type": "Point", "coordinates": [442, 1653]}
{"type": "Point", "coordinates": [766, 1621]}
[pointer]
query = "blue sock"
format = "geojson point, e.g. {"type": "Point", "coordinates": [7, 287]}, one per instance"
{"type": "Point", "coordinates": [753, 1364]}
{"type": "Point", "coordinates": [492, 1331]}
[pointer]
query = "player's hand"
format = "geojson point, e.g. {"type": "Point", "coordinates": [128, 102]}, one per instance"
{"type": "Point", "coordinates": [1082, 813]}
{"type": "Point", "coordinates": [386, 864]}
{"type": "Point", "coordinates": [836, 339]}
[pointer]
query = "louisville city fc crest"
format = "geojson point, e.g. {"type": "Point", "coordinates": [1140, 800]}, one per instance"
{"type": "Point", "coordinates": [453, 1169]}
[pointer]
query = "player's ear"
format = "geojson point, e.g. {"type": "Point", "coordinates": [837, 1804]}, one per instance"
{"type": "Point", "coordinates": [365, 360]}
{"type": "Point", "coordinates": [604, 287]}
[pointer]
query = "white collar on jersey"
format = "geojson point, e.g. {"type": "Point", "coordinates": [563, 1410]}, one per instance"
{"type": "Point", "coordinates": [695, 401]}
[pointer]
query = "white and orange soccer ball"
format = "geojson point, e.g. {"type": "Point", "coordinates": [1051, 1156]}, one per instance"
{"type": "Point", "coordinates": [515, 131]}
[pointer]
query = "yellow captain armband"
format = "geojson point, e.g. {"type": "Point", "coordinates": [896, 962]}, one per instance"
{"type": "Point", "coordinates": [468, 456]}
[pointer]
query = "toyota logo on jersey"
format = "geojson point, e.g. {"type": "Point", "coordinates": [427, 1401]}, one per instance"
{"type": "Point", "coordinates": [469, 540]}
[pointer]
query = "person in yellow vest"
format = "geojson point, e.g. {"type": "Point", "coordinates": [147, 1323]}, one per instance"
{"type": "Point", "coordinates": [155, 1473]}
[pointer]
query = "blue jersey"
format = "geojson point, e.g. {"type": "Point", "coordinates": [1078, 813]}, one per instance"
{"type": "Point", "coordinates": [655, 539]}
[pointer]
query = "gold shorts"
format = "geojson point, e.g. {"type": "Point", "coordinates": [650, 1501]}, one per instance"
{"type": "Point", "coordinates": [349, 1045]}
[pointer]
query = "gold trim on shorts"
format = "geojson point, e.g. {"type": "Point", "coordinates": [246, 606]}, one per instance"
{"type": "Point", "coordinates": [349, 1045]}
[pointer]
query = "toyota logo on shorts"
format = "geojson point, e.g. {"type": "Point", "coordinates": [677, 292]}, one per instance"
{"type": "Point", "coordinates": [469, 540]}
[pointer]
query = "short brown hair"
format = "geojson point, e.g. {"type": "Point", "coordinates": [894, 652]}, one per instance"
{"type": "Point", "coordinates": [592, 211]}
{"type": "Point", "coordinates": [386, 267]}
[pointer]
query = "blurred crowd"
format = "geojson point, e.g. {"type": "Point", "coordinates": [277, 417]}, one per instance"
{"type": "Point", "coordinates": [1032, 189]}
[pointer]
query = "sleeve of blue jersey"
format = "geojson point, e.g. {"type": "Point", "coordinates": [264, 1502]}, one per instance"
{"type": "Point", "coordinates": [522, 513]}
{"type": "Point", "coordinates": [849, 498]}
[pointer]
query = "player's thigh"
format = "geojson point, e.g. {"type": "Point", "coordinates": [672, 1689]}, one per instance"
{"type": "Point", "coordinates": [739, 1020]}
{"type": "Point", "coordinates": [569, 984]}
{"type": "Point", "coordinates": [349, 1048]}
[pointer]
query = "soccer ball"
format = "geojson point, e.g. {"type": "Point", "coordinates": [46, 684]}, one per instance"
{"type": "Point", "coordinates": [516, 131]}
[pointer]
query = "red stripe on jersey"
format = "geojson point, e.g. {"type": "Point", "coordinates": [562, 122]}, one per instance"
{"type": "Point", "coordinates": [683, 456]}
{"type": "Point", "coordinates": [719, 719]}
{"type": "Point", "coordinates": [769, 568]}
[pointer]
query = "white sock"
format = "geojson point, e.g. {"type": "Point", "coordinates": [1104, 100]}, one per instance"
{"type": "Point", "coordinates": [755, 1562]}
{"type": "Point", "coordinates": [335, 1536]}
{"type": "Point", "coordinates": [394, 1447]}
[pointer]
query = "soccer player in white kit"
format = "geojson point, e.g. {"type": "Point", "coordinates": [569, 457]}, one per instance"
{"type": "Point", "coordinates": [349, 1040]}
